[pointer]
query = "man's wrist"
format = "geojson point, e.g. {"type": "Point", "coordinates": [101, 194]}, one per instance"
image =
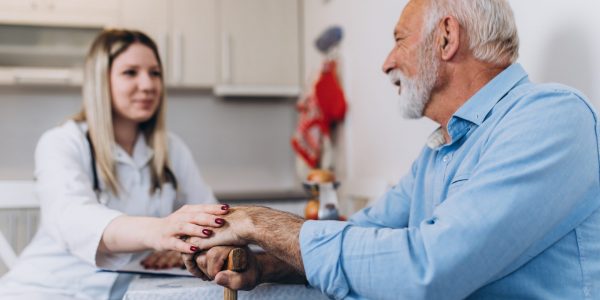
{"type": "Point", "coordinates": [260, 223]}
{"type": "Point", "coordinates": [278, 233]}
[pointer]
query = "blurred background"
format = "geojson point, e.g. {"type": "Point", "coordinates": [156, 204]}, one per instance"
{"type": "Point", "coordinates": [234, 72]}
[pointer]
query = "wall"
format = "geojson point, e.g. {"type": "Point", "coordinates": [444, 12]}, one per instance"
{"type": "Point", "coordinates": [234, 141]}
{"type": "Point", "coordinates": [558, 43]}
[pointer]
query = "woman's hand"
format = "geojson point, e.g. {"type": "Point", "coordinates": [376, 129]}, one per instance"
{"type": "Point", "coordinates": [160, 260]}
{"type": "Point", "coordinates": [190, 220]}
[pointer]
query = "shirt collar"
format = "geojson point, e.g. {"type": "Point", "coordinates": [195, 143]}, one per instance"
{"type": "Point", "coordinates": [477, 108]}
{"type": "Point", "coordinates": [142, 153]}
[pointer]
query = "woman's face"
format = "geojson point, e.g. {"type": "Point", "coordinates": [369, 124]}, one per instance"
{"type": "Point", "coordinates": [136, 85]}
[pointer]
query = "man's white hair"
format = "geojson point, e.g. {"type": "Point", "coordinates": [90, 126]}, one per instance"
{"type": "Point", "coordinates": [489, 24]}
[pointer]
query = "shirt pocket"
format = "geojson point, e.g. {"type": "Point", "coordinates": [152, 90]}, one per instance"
{"type": "Point", "coordinates": [457, 183]}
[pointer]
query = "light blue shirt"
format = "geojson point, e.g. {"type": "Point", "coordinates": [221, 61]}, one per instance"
{"type": "Point", "coordinates": [508, 210]}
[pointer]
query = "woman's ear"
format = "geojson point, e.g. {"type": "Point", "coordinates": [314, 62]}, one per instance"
{"type": "Point", "coordinates": [449, 38]}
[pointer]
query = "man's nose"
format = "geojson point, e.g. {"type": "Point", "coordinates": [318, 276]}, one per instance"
{"type": "Point", "coordinates": [389, 64]}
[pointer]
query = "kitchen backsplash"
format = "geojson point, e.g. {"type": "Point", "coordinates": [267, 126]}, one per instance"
{"type": "Point", "coordinates": [240, 144]}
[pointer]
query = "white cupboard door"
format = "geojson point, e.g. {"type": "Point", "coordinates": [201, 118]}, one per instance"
{"type": "Point", "coordinates": [259, 43]}
{"type": "Point", "coordinates": [193, 44]}
{"type": "Point", "coordinates": [74, 13]}
{"type": "Point", "coordinates": [150, 17]}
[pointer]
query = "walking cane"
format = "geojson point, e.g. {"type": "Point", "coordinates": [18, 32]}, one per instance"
{"type": "Point", "coordinates": [236, 261]}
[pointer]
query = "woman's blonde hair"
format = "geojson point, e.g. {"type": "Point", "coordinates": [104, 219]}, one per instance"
{"type": "Point", "coordinates": [97, 108]}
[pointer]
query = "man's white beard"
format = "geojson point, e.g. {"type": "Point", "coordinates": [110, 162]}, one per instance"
{"type": "Point", "coordinates": [415, 92]}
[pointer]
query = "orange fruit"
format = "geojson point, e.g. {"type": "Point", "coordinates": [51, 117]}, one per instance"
{"type": "Point", "coordinates": [311, 210]}
{"type": "Point", "coordinates": [320, 176]}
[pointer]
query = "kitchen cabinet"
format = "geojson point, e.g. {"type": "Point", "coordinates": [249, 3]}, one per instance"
{"type": "Point", "coordinates": [260, 48]}
{"type": "Point", "coordinates": [185, 32]}
{"type": "Point", "coordinates": [72, 13]}
{"type": "Point", "coordinates": [43, 55]}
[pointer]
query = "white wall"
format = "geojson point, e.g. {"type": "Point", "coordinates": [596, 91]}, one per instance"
{"type": "Point", "coordinates": [558, 43]}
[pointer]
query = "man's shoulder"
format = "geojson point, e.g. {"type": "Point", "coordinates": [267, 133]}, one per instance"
{"type": "Point", "coordinates": [548, 92]}
{"type": "Point", "coordinates": [543, 98]}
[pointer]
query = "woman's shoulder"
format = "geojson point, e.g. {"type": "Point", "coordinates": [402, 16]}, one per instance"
{"type": "Point", "coordinates": [176, 144]}
{"type": "Point", "coordinates": [68, 133]}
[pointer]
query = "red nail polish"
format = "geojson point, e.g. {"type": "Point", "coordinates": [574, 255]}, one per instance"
{"type": "Point", "coordinates": [207, 231]}
{"type": "Point", "coordinates": [219, 221]}
{"type": "Point", "coordinates": [193, 248]}
{"type": "Point", "coordinates": [225, 207]}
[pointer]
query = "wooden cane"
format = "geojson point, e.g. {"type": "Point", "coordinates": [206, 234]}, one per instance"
{"type": "Point", "coordinates": [236, 261]}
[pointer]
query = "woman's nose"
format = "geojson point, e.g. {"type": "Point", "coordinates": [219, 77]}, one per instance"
{"type": "Point", "coordinates": [146, 82]}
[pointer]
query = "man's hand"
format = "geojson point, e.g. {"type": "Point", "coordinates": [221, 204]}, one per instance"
{"type": "Point", "coordinates": [209, 265]}
{"type": "Point", "coordinates": [162, 260]}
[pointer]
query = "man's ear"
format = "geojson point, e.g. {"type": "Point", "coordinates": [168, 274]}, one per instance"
{"type": "Point", "coordinates": [449, 39]}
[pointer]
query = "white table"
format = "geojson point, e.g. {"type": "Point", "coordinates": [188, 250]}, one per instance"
{"type": "Point", "coordinates": [180, 288]}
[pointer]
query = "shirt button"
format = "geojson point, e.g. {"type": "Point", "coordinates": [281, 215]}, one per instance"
{"type": "Point", "coordinates": [446, 158]}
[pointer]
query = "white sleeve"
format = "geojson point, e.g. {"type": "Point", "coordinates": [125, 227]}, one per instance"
{"type": "Point", "coordinates": [69, 208]}
{"type": "Point", "coordinates": [191, 187]}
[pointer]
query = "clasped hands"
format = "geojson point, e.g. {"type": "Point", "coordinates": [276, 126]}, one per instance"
{"type": "Point", "coordinates": [209, 261]}
{"type": "Point", "coordinates": [204, 235]}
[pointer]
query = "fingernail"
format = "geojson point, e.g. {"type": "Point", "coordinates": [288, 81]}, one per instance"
{"type": "Point", "coordinates": [207, 231]}
{"type": "Point", "coordinates": [219, 221]}
{"type": "Point", "coordinates": [193, 248]}
{"type": "Point", "coordinates": [225, 207]}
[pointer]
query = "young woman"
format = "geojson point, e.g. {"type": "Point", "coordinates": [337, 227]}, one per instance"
{"type": "Point", "coordinates": [109, 180]}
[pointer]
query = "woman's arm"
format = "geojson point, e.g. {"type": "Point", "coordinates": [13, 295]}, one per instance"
{"type": "Point", "coordinates": [132, 234]}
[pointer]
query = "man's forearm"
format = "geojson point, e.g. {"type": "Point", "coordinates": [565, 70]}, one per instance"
{"type": "Point", "coordinates": [278, 233]}
{"type": "Point", "coordinates": [274, 270]}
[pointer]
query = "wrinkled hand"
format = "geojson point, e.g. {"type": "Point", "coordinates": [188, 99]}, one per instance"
{"type": "Point", "coordinates": [189, 220]}
{"type": "Point", "coordinates": [209, 265]}
{"type": "Point", "coordinates": [162, 260]}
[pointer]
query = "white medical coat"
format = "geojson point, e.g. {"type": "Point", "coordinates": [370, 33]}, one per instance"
{"type": "Point", "coordinates": [62, 259]}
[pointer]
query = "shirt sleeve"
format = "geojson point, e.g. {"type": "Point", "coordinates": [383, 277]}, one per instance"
{"type": "Point", "coordinates": [390, 210]}
{"type": "Point", "coordinates": [192, 189]}
{"type": "Point", "coordinates": [536, 179]}
{"type": "Point", "coordinates": [69, 208]}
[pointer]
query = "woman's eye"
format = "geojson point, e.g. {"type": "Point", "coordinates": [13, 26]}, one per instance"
{"type": "Point", "coordinates": [155, 73]}
{"type": "Point", "coordinates": [130, 73]}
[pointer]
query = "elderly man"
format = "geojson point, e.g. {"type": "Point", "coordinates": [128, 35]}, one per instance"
{"type": "Point", "coordinates": [502, 203]}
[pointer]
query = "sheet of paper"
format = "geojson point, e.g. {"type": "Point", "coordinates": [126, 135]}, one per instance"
{"type": "Point", "coordinates": [135, 267]}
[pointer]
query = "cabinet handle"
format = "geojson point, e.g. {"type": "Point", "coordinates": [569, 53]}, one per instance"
{"type": "Point", "coordinates": [226, 57]}
{"type": "Point", "coordinates": [178, 58]}
{"type": "Point", "coordinates": [163, 51]}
